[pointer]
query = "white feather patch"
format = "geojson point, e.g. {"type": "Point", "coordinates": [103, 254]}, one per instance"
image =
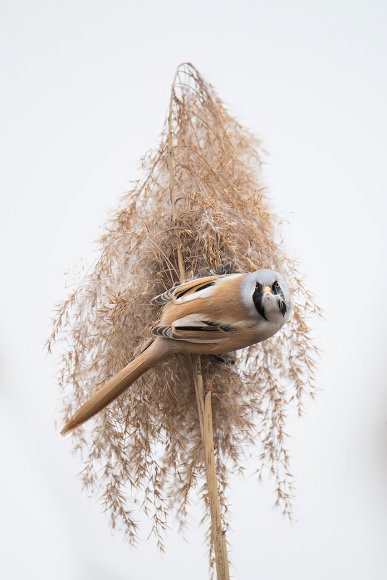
{"type": "Point", "coordinates": [195, 319]}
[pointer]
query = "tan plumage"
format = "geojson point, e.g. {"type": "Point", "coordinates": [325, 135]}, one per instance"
{"type": "Point", "coordinates": [213, 316]}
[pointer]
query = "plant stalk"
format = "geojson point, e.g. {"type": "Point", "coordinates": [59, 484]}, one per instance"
{"type": "Point", "coordinates": [218, 537]}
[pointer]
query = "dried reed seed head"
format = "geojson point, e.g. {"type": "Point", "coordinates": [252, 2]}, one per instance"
{"type": "Point", "coordinates": [147, 443]}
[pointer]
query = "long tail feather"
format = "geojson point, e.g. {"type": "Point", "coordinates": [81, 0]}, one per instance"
{"type": "Point", "coordinates": [155, 352]}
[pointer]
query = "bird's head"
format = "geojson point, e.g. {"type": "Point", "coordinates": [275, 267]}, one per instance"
{"type": "Point", "coordinates": [264, 292]}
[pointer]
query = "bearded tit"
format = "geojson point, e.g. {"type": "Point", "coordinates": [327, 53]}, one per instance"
{"type": "Point", "coordinates": [209, 316]}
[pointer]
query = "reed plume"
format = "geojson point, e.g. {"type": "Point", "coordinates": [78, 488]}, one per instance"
{"type": "Point", "coordinates": [146, 445]}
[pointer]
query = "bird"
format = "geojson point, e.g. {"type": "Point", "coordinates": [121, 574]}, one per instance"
{"type": "Point", "coordinates": [213, 315]}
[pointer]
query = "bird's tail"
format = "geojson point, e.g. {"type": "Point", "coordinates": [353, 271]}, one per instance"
{"type": "Point", "coordinates": [153, 354]}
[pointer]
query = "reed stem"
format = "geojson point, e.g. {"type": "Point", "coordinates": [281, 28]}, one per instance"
{"type": "Point", "coordinates": [218, 537]}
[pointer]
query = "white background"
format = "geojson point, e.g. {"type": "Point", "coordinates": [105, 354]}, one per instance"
{"type": "Point", "coordinates": [84, 90]}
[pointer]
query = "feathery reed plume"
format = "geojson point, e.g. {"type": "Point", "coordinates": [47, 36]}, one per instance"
{"type": "Point", "coordinates": [147, 444]}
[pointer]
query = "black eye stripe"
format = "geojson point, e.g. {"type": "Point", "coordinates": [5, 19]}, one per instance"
{"type": "Point", "coordinates": [257, 299]}
{"type": "Point", "coordinates": [282, 307]}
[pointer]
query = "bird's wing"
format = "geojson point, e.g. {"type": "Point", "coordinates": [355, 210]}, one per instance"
{"type": "Point", "coordinates": [183, 292]}
{"type": "Point", "coordinates": [194, 328]}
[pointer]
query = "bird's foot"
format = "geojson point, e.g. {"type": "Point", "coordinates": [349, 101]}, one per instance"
{"type": "Point", "coordinates": [229, 358]}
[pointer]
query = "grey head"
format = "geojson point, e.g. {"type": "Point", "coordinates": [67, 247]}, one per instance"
{"type": "Point", "coordinates": [265, 295]}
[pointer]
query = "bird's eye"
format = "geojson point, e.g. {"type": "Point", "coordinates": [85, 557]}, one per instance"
{"type": "Point", "coordinates": [275, 287]}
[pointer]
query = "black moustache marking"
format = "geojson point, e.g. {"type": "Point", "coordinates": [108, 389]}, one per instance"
{"type": "Point", "coordinates": [276, 289]}
{"type": "Point", "coordinates": [282, 307]}
{"type": "Point", "coordinates": [257, 299]}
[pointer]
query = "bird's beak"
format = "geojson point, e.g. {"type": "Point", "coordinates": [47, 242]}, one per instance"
{"type": "Point", "coordinates": [267, 289]}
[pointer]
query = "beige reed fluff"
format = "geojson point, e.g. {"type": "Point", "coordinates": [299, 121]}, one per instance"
{"type": "Point", "coordinates": [146, 446]}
